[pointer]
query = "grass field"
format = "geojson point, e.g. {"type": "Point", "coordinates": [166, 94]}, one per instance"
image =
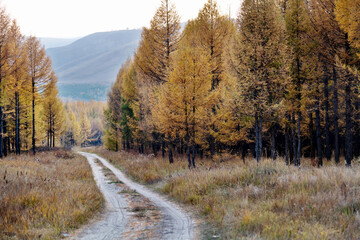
{"type": "Point", "coordinates": [267, 200]}
{"type": "Point", "coordinates": [46, 198]}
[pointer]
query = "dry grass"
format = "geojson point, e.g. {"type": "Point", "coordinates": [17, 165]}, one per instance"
{"type": "Point", "coordinates": [268, 200]}
{"type": "Point", "coordinates": [45, 198]}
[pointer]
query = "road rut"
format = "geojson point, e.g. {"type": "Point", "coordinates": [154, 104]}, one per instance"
{"type": "Point", "coordinates": [175, 223]}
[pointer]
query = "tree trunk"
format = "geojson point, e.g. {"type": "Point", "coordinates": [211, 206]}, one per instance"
{"type": "Point", "coordinates": [17, 137]}
{"type": "Point", "coordinates": [327, 124]}
{"type": "Point", "coordinates": [257, 138]}
{"type": "Point", "coordinates": [53, 139]}
{"type": "Point", "coordinates": [188, 152]}
{"type": "Point", "coordinates": [171, 157]}
{"type": "Point", "coordinates": [273, 143]}
{"type": "Point", "coordinates": [293, 132]}
{"type": "Point", "coordinates": [260, 136]}
{"type": "Point", "coordinates": [348, 127]}
{"type": "Point", "coordinates": [1, 129]}
{"type": "Point", "coordinates": [299, 140]}
{"type": "Point", "coordinates": [311, 134]}
{"type": "Point", "coordinates": [318, 133]}
{"type": "Point", "coordinates": [193, 155]}
{"type": "Point", "coordinates": [336, 118]}
{"type": "Point", "coordinates": [163, 147]}
{"type": "Point", "coordinates": [286, 146]}
{"type": "Point", "coordinates": [1, 112]}
{"type": "Point", "coordinates": [6, 140]}
{"type": "Point", "coordinates": [33, 115]}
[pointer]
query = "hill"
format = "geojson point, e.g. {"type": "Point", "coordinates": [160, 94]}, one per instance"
{"type": "Point", "coordinates": [56, 42]}
{"type": "Point", "coordinates": [87, 67]}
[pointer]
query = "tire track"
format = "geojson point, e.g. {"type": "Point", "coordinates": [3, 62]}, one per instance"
{"type": "Point", "coordinates": [176, 224]}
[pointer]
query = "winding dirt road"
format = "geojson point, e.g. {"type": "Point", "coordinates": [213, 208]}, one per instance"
{"type": "Point", "coordinates": [175, 223]}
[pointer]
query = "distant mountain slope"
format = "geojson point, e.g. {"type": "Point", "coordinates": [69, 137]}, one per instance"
{"type": "Point", "coordinates": [93, 60]}
{"type": "Point", "coordinates": [56, 42]}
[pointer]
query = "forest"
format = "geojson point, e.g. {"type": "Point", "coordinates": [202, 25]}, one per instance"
{"type": "Point", "coordinates": [279, 80]}
{"type": "Point", "coordinates": [31, 111]}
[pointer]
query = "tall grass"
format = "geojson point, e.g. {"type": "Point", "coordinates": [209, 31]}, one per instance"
{"type": "Point", "coordinates": [267, 200]}
{"type": "Point", "coordinates": [44, 198]}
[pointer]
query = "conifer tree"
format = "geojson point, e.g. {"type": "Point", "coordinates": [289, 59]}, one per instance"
{"type": "Point", "coordinates": [4, 28]}
{"type": "Point", "coordinates": [153, 56]}
{"type": "Point", "coordinates": [214, 31]}
{"type": "Point", "coordinates": [298, 29]}
{"type": "Point", "coordinates": [259, 61]}
{"type": "Point", "coordinates": [17, 78]}
{"type": "Point", "coordinates": [54, 115]}
{"type": "Point", "coordinates": [39, 67]}
{"type": "Point", "coordinates": [184, 102]}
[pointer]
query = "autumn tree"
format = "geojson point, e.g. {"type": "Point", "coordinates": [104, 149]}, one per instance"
{"type": "Point", "coordinates": [214, 31]}
{"type": "Point", "coordinates": [39, 67]}
{"type": "Point", "coordinates": [297, 33]}
{"type": "Point", "coordinates": [17, 79]}
{"type": "Point", "coordinates": [153, 56]}
{"type": "Point", "coordinates": [347, 15]}
{"type": "Point", "coordinates": [4, 28]}
{"type": "Point", "coordinates": [184, 102]}
{"type": "Point", "coordinates": [53, 115]}
{"type": "Point", "coordinates": [259, 62]}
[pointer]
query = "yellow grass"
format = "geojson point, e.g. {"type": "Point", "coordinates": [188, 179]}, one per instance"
{"type": "Point", "coordinates": [267, 200]}
{"type": "Point", "coordinates": [44, 199]}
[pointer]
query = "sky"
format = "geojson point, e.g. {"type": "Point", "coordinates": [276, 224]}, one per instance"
{"type": "Point", "coordinates": [77, 18]}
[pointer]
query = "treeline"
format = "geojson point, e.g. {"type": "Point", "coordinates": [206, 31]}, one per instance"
{"type": "Point", "coordinates": [31, 112]}
{"type": "Point", "coordinates": [84, 124]}
{"type": "Point", "coordinates": [281, 79]}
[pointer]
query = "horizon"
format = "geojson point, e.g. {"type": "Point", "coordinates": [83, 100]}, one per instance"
{"type": "Point", "coordinates": [45, 19]}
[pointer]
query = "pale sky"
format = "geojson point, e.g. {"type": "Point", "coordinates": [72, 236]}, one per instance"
{"type": "Point", "coordinates": [77, 18]}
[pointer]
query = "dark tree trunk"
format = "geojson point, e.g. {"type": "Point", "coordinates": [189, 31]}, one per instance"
{"type": "Point", "coordinates": [293, 132]}
{"type": "Point", "coordinates": [17, 132]}
{"type": "Point", "coordinates": [311, 133]}
{"type": "Point", "coordinates": [348, 127]}
{"type": "Point", "coordinates": [299, 140]}
{"type": "Point", "coordinates": [1, 129]}
{"type": "Point", "coordinates": [212, 145]}
{"type": "Point", "coordinates": [286, 146]}
{"type": "Point", "coordinates": [193, 155]}
{"type": "Point", "coordinates": [163, 148]}
{"type": "Point", "coordinates": [318, 134]}
{"type": "Point", "coordinates": [1, 113]}
{"type": "Point", "coordinates": [257, 146]}
{"type": "Point", "coordinates": [33, 115]}
{"type": "Point", "coordinates": [6, 140]}
{"type": "Point", "coordinates": [260, 136]}
{"type": "Point", "coordinates": [327, 120]}
{"type": "Point", "coordinates": [336, 119]}
{"type": "Point", "coordinates": [171, 157]}
{"type": "Point", "coordinates": [273, 143]}
{"type": "Point", "coordinates": [188, 152]}
{"type": "Point", "coordinates": [53, 135]}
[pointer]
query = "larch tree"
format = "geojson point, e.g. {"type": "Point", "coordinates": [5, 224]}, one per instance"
{"type": "Point", "coordinates": [18, 78]}
{"type": "Point", "coordinates": [153, 56]}
{"type": "Point", "coordinates": [297, 32]}
{"type": "Point", "coordinates": [260, 62]}
{"type": "Point", "coordinates": [53, 112]}
{"type": "Point", "coordinates": [40, 69]}
{"type": "Point", "coordinates": [154, 59]}
{"type": "Point", "coordinates": [184, 102]}
{"type": "Point", "coordinates": [214, 32]}
{"type": "Point", "coordinates": [4, 28]}
{"type": "Point", "coordinates": [347, 15]}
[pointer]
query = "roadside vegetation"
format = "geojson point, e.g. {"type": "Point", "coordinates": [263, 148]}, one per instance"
{"type": "Point", "coordinates": [47, 197]}
{"type": "Point", "coordinates": [267, 200]}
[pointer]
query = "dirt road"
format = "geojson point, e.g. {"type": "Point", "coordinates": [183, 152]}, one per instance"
{"type": "Point", "coordinates": [175, 223]}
